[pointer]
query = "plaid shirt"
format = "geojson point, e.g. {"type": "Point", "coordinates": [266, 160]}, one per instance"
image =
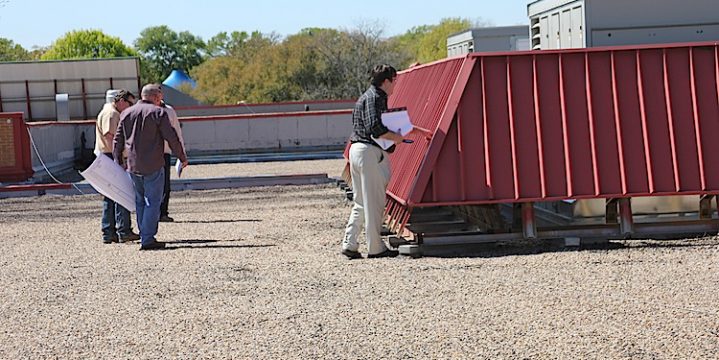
{"type": "Point", "coordinates": [367, 116]}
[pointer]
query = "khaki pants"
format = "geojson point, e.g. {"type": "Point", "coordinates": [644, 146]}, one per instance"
{"type": "Point", "coordinates": [370, 169]}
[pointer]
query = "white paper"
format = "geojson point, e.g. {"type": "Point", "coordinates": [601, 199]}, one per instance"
{"type": "Point", "coordinates": [395, 121]}
{"type": "Point", "coordinates": [111, 180]}
{"type": "Point", "coordinates": [178, 167]}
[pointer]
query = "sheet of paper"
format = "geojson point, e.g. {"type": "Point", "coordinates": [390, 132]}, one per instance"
{"type": "Point", "coordinates": [111, 180]}
{"type": "Point", "coordinates": [396, 121]}
{"type": "Point", "coordinates": [178, 167]}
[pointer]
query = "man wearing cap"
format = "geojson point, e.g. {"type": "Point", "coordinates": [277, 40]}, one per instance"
{"type": "Point", "coordinates": [143, 130]}
{"type": "Point", "coordinates": [116, 223]}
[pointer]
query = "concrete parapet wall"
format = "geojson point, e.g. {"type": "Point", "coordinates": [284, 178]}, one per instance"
{"type": "Point", "coordinates": [59, 143]}
{"type": "Point", "coordinates": [263, 132]}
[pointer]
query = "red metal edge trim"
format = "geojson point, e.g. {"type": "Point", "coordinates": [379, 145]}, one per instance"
{"type": "Point", "coordinates": [200, 107]}
{"type": "Point", "coordinates": [34, 187]}
{"type": "Point", "coordinates": [596, 49]}
{"type": "Point", "coordinates": [213, 117]}
{"type": "Point", "coordinates": [265, 115]}
{"type": "Point", "coordinates": [65, 123]}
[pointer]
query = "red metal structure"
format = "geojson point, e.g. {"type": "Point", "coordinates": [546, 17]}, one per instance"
{"type": "Point", "coordinates": [522, 127]}
{"type": "Point", "coordinates": [15, 160]}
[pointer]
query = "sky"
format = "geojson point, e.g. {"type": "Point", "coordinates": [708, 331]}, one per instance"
{"type": "Point", "coordinates": [39, 22]}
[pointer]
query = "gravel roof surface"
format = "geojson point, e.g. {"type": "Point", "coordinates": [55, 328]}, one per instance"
{"type": "Point", "coordinates": [256, 274]}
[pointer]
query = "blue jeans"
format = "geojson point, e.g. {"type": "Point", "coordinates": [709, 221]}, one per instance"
{"type": "Point", "coordinates": [115, 219]}
{"type": "Point", "coordinates": [148, 196]}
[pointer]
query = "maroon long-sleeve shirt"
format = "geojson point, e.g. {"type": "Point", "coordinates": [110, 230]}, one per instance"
{"type": "Point", "coordinates": [143, 130]}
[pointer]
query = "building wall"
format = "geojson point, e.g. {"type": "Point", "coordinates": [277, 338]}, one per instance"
{"type": "Point", "coordinates": [292, 131]}
{"type": "Point", "coordinates": [503, 38]}
{"type": "Point", "coordinates": [46, 78]}
{"type": "Point", "coordinates": [59, 143]}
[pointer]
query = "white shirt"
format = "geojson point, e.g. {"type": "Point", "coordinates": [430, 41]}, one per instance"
{"type": "Point", "coordinates": [175, 122]}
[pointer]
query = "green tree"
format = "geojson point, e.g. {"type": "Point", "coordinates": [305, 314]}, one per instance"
{"type": "Point", "coordinates": [37, 51]}
{"type": "Point", "coordinates": [428, 43]}
{"type": "Point", "coordinates": [86, 44]}
{"type": "Point", "coordinates": [163, 50]}
{"type": "Point", "coordinates": [245, 68]}
{"type": "Point", "coordinates": [433, 44]}
{"type": "Point", "coordinates": [9, 51]}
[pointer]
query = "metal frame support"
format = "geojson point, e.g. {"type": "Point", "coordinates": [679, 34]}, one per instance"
{"type": "Point", "coordinates": [611, 211]}
{"type": "Point", "coordinates": [529, 225]}
{"type": "Point", "coordinates": [705, 207]}
{"type": "Point", "coordinates": [626, 220]}
{"type": "Point", "coordinates": [516, 216]}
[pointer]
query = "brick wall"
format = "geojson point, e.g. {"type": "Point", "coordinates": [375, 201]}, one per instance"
{"type": "Point", "coordinates": [7, 143]}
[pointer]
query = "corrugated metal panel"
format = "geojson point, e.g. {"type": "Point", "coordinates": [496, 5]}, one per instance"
{"type": "Point", "coordinates": [562, 124]}
{"type": "Point", "coordinates": [425, 92]}
{"type": "Point", "coordinates": [614, 122]}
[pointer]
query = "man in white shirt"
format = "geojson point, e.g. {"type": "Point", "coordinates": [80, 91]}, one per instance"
{"type": "Point", "coordinates": [115, 218]}
{"type": "Point", "coordinates": [175, 122]}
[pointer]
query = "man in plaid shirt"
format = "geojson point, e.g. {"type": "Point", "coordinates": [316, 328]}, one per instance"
{"type": "Point", "coordinates": [369, 166]}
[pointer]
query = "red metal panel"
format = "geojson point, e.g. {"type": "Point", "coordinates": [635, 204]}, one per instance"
{"type": "Point", "coordinates": [580, 168]}
{"type": "Point", "coordinates": [600, 96]}
{"type": "Point", "coordinates": [425, 92]}
{"type": "Point", "coordinates": [679, 102]}
{"type": "Point", "coordinates": [549, 116]}
{"type": "Point", "coordinates": [548, 125]}
{"type": "Point", "coordinates": [658, 148]}
{"type": "Point", "coordinates": [707, 113]}
{"type": "Point", "coordinates": [21, 168]}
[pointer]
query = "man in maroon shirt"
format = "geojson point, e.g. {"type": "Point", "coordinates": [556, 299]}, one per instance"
{"type": "Point", "coordinates": [142, 131]}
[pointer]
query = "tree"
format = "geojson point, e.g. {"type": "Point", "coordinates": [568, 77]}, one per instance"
{"type": "Point", "coordinates": [428, 43]}
{"type": "Point", "coordinates": [37, 51]}
{"type": "Point", "coordinates": [87, 44]}
{"type": "Point", "coordinates": [433, 44]}
{"type": "Point", "coordinates": [349, 55]}
{"type": "Point", "coordinates": [164, 50]}
{"type": "Point", "coordinates": [9, 51]}
{"type": "Point", "coordinates": [245, 67]}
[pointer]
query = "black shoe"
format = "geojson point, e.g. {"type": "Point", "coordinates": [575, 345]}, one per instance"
{"type": "Point", "coordinates": [351, 254]}
{"type": "Point", "coordinates": [130, 237]}
{"type": "Point", "coordinates": [109, 241]}
{"type": "Point", "coordinates": [386, 253]}
{"type": "Point", "coordinates": [153, 246]}
{"type": "Point", "coordinates": [166, 218]}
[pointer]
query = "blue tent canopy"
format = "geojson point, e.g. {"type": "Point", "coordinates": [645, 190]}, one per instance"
{"type": "Point", "coordinates": [177, 78]}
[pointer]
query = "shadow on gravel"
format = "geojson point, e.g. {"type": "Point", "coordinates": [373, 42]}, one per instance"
{"type": "Point", "coordinates": [199, 241]}
{"type": "Point", "coordinates": [216, 221]}
{"type": "Point", "coordinates": [549, 246]}
{"type": "Point", "coordinates": [207, 245]}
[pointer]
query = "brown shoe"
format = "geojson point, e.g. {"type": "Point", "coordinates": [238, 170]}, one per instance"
{"type": "Point", "coordinates": [129, 237]}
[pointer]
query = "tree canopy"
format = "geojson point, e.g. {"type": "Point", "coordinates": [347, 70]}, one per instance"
{"type": "Point", "coordinates": [163, 50]}
{"type": "Point", "coordinates": [315, 63]}
{"type": "Point", "coordinates": [9, 51]}
{"type": "Point", "coordinates": [87, 44]}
